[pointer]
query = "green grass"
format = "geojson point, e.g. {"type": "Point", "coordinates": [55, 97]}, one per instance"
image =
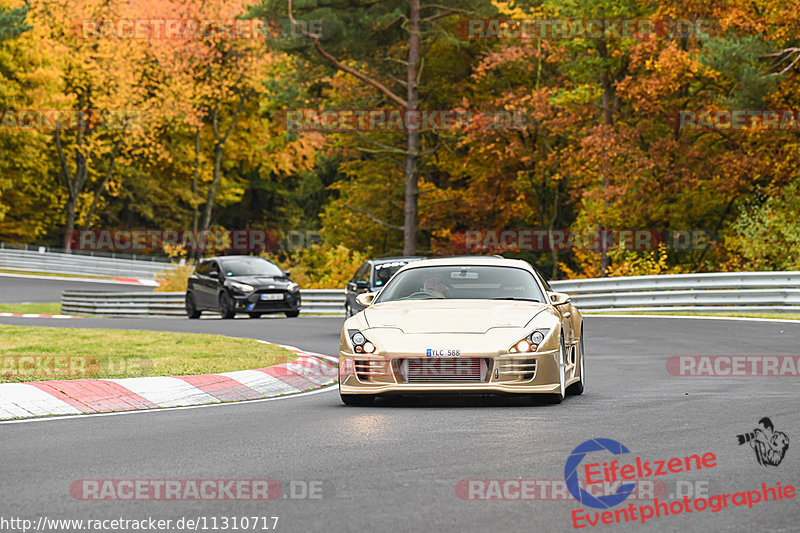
{"type": "Point", "coordinates": [101, 353]}
{"type": "Point", "coordinates": [782, 316]}
{"type": "Point", "coordinates": [35, 308]}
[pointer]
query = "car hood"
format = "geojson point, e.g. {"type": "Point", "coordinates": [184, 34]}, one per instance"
{"type": "Point", "coordinates": [451, 316]}
{"type": "Point", "coordinates": [261, 282]}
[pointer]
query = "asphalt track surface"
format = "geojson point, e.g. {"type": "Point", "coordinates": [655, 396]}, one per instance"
{"type": "Point", "coordinates": [395, 466]}
{"type": "Point", "coordinates": [41, 290]}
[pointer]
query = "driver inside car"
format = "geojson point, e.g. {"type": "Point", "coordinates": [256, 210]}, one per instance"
{"type": "Point", "coordinates": [434, 286]}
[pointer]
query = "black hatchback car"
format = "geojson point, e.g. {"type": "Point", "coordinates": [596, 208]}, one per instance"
{"type": "Point", "coordinates": [371, 276]}
{"type": "Point", "coordinates": [241, 284]}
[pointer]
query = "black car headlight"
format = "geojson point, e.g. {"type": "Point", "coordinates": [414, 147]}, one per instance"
{"type": "Point", "coordinates": [530, 343]}
{"type": "Point", "coordinates": [293, 287]}
{"type": "Point", "coordinates": [241, 287]}
{"type": "Point", "coordinates": [360, 342]}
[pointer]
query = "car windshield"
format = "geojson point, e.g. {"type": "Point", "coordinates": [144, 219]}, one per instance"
{"type": "Point", "coordinates": [384, 271]}
{"type": "Point", "coordinates": [462, 282]}
{"type": "Point", "coordinates": [250, 267]}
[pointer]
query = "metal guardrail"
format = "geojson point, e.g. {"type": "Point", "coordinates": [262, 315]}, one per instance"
{"type": "Point", "coordinates": [742, 291]}
{"type": "Point", "coordinates": [745, 291]}
{"type": "Point", "coordinates": [137, 304]}
{"type": "Point", "coordinates": [59, 263]}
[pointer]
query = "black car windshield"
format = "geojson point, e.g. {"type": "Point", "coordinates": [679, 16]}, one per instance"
{"type": "Point", "coordinates": [384, 271]}
{"type": "Point", "coordinates": [462, 282]}
{"type": "Point", "coordinates": [250, 267]}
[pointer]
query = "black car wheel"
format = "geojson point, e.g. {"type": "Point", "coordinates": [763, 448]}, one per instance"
{"type": "Point", "coordinates": [191, 308]}
{"type": "Point", "coordinates": [292, 314]}
{"type": "Point", "coordinates": [254, 315]}
{"type": "Point", "coordinates": [226, 309]}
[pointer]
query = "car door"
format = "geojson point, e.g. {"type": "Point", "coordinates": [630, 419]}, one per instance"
{"type": "Point", "coordinates": [566, 311]}
{"type": "Point", "coordinates": [353, 290]}
{"type": "Point", "coordinates": [207, 297]}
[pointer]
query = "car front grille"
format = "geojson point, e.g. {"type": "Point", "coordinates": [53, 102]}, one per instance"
{"type": "Point", "coordinates": [444, 370]}
{"type": "Point", "coordinates": [524, 369]}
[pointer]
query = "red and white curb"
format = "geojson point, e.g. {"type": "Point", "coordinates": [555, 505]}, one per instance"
{"type": "Point", "coordinates": [107, 281]}
{"type": "Point", "coordinates": [82, 396]}
{"type": "Point", "coordinates": [30, 315]}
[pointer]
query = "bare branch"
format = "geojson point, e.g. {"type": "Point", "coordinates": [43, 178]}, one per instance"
{"type": "Point", "coordinates": [344, 68]}
{"type": "Point", "coordinates": [787, 54]}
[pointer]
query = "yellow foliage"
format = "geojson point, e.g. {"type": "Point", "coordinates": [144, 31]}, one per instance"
{"type": "Point", "coordinates": [322, 267]}
{"type": "Point", "coordinates": [175, 279]}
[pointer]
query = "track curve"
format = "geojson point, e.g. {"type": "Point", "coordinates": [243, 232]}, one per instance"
{"type": "Point", "coordinates": [396, 466]}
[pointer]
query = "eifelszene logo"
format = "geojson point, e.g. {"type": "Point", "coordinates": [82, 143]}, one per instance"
{"type": "Point", "coordinates": [769, 445]}
{"type": "Point", "coordinates": [571, 474]}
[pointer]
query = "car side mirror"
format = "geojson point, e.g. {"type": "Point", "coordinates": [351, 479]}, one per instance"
{"type": "Point", "coordinates": [559, 298]}
{"type": "Point", "coordinates": [287, 273]}
{"type": "Point", "coordinates": [214, 274]}
{"type": "Point", "coordinates": [366, 298]}
{"type": "Point", "coordinates": [362, 285]}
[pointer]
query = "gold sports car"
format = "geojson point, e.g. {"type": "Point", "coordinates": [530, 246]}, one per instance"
{"type": "Point", "coordinates": [484, 325]}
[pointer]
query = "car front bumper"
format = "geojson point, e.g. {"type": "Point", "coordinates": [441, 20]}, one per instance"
{"type": "Point", "coordinates": [254, 304]}
{"type": "Point", "coordinates": [530, 373]}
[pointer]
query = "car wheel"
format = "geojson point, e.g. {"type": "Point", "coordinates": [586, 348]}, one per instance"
{"type": "Point", "coordinates": [348, 312]}
{"type": "Point", "coordinates": [254, 315]}
{"type": "Point", "coordinates": [292, 314]}
{"type": "Point", "coordinates": [558, 397]}
{"type": "Point", "coordinates": [191, 307]}
{"type": "Point", "coordinates": [577, 388]}
{"type": "Point", "coordinates": [226, 309]}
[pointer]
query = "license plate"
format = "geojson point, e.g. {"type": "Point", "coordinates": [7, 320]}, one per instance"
{"type": "Point", "coordinates": [274, 296]}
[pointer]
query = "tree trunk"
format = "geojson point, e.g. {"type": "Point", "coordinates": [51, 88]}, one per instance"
{"type": "Point", "coordinates": [219, 151]}
{"type": "Point", "coordinates": [609, 96]}
{"type": "Point", "coordinates": [412, 155]}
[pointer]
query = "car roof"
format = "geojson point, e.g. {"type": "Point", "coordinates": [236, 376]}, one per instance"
{"type": "Point", "coordinates": [221, 257]}
{"type": "Point", "coordinates": [470, 260]}
{"type": "Point", "coordinates": [381, 260]}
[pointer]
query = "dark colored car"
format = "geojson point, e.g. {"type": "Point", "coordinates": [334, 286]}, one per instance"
{"type": "Point", "coordinates": [371, 276]}
{"type": "Point", "coordinates": [241, 284]}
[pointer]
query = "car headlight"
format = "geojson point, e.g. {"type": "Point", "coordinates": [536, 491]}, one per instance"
{"type": "Point", "coordinates": [360, 342]}
{"type": "Point", "coordinates": [293, 287]}
{"type": "Point", "coordinates": [243, 287]}
{"type": "Point", "coordinates": [530, 343]}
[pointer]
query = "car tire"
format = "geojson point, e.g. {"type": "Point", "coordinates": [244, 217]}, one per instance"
{"type": "Point", "coordinates": [292, 314]}
{"type": "Point", "coordinates": [255, 315]}
{"type": "Point", "coordinates": [578, 388]}
{"type": "Point", "coordinates": [226, 309]}
{"type": "Point", "coordinates": [348, 312]}
{"type": "Point", "coordinates": [191, 307]}
{"type": "Point", "coordinates": [558, 397]}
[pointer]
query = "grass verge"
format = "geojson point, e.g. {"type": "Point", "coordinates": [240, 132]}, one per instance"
{"type": "Point", "coordinates": [36, 353]}
{"type": "Point", "coordinates": [782, 316]}
{"type": "Point", "coordinates": [33, 308]}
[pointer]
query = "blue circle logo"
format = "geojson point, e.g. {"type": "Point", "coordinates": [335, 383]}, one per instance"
{"type": "Point", "coordinates": [571, 475]}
